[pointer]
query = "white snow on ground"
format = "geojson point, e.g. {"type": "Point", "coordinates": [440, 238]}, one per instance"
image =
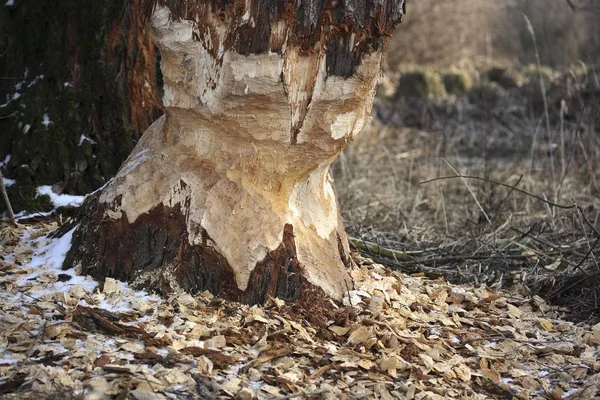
{"type": "Point", "coordinates": [83, 138]}
{"type": "Point", "coordinates": [49, 258]}
{"type": "Point", "coordinates": [6, 160]}
{"type": "Point", "coordinates": [10, 3]}
{"type": "Point", "coordinates": [23, 215]}
{"type": "Point", "coordinates": [43, 279]}
{"type": "Point", "coordinates": [60, 200]}
{"type": "Point", "coordinates": [8, 182]}
{"type": "Point", "coordinates": [46, 122]}
{"type": "Point", "coordinates": [47, 261]}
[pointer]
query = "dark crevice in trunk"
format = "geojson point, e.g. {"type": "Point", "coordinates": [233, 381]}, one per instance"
{"type": "Point", "coordinates": [154, 253]}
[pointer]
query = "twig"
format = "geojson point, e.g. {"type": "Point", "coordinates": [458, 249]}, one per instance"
{"type": "Point", "coordinates": [301, 394]}
{"type": "Point", "coordinates": [546, 242]}
{"type": "Point", "coordinates": [509, 193]}
{"type": "Point", "coordinates": [562, 206]}
{"type": "Point", "coordinates": [348, 293]}
{"type": "Point", "coordinates": [543, 90]}
{"type": "Point", "coordinates": [572, 153]}
{"type": "Point", "coordinates": [470, 191]}
{"type": "Point", "coordinates": [564, 289]}
{"type": "Point", "coordinates": [11, 214]}
{"type": "Point", "coordinates": [376, 249]}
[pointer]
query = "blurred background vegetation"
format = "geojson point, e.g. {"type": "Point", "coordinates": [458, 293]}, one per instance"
{"type": "Point", "coordinates": [469, 33]}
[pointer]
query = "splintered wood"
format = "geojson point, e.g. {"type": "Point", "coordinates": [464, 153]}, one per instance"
{"type": "Point", "coordinates": [393, 337]}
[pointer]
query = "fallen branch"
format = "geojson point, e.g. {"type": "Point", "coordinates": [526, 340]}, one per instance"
{"type": "Point", "coordinates": [301, 394]}
{"type": "Point", "coordinates": [512, 187]}
{"type": "Point", "coordinates": [375, 249]}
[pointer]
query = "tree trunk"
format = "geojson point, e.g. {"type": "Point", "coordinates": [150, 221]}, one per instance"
{"type": "Point", "coordinates": [79, 84]}
{"type": "Point", "coordinates": [230, 191]}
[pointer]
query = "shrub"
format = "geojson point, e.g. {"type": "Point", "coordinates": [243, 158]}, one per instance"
{"type": "Point", "coordinates": [421, 84]}
{"type": "Point", "coordinates": [488, 92]}
{"type": "Point", "coordinates": [507, 78]}
{"type": "Point", "coordinates": [532, 74]}
{"type": "Point", "coordinates": [457, 82]}
{"type": "Point", "coordinates": [532, 88]}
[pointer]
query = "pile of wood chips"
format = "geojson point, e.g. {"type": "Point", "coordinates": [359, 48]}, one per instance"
{"type": "Point", "coordinates": [394, 337]}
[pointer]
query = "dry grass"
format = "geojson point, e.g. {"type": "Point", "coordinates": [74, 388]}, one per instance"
{"type": "Point", "coordinates": [475, 230]}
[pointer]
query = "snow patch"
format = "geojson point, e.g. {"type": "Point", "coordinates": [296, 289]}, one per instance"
{"type": "Point", "coordinates": [8, 182]}
{"type": "Point", "coordinates": [5, 162]}
{"type": "Point", "coordinates": [35, 80]}
{"type": "Point", "coordinates": [10, 3]}
{"type": "Point", "coordinates": [60, 200]}
{"type": "Point", "coordinates": [22, 215]}
{"type": "Point", "coordinates": [53, 254]}
{"type": "Point", "coordinates": [101, 187]}
{"type": "Point", "coordinates": [83, 138]}
{"type": "Point", "coordinates": [46, 121]}
{"type": "Point", "coordinates": [49, 258]}
{"type": "Point", "coordinates": [4, 361]}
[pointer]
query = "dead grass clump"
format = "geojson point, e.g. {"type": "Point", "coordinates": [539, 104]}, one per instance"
{"type": "Point", "coordinates": [487, 92]}
{"type": "Point", "coordinates": [506, 77]}
{"type": "Point", "coordinates": [457, 82]}
{"type": "Point", "coordinates": [424, 84]}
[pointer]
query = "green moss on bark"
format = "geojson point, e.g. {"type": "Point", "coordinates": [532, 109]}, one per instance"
{"type": "Point", "coordinates": [66, 117]}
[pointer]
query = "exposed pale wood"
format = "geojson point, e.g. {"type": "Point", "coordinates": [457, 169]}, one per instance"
{"type": "Point", "coordinates": [233, 181]}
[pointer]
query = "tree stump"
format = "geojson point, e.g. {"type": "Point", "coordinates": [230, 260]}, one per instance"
{"type": "Point", "coordinates": [229, 191]}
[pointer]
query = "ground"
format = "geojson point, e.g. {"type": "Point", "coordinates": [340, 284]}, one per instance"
{"type": "Point", "coordinates": [394, 336]}
{"type": "Point", "coordinates": [488, 291]}
{"type": "Point", "coordinates": [529, 215]}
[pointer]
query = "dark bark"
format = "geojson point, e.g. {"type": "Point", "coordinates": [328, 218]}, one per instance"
{"type": "Point", "coordinates": [154, 253]}
{"type": "Point", "coordinates": [91, 68]}
{"type": "Point", "coordinates": [349, 28]}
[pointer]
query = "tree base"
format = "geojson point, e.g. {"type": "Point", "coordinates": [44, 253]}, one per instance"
{"type": "Point", "coordinates": [229, 191]}
{"type": "Point", "coordinates": [154, 253]}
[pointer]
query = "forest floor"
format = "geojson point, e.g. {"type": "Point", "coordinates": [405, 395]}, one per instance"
{"type": "Point", "coordinates": [488, 186]}
{"type": "Point", "coordinates": [65, 336]}
{"type": "Point", "coordinates": [485, 211]}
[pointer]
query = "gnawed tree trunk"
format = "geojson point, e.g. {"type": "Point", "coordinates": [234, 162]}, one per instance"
{"type": "Point", "coordinates": [230, 191]}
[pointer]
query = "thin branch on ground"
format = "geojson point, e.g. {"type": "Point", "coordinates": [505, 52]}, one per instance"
{"type": "Point", "coordinates": [562, 206]}
{"type": "Point", "coordinates": [301, 394]}
{"type": "Point", "coordinates": [9, 210]}
{"type": "Point", "coordinates": [470, 191]}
